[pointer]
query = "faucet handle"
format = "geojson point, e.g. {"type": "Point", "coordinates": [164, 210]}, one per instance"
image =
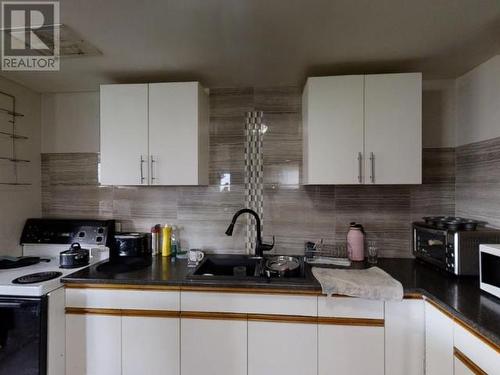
{"type": "Point", "coordinates": [267, 247]}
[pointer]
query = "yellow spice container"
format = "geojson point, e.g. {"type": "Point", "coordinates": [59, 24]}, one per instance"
{"type": "Point", "coordinates": [166, 248]}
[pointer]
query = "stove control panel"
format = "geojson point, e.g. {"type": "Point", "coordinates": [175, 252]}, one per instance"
{"type": "Point", "coordinates": [67, 231]}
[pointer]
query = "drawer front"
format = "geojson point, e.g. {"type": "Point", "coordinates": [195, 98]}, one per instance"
{"type": "Point", "coordinates": [249, 303]}
{"type": "Point", "coordinates": [344, 307]}
{"type": "Point", "coordinates": [123, 299]}
{"type": "Point", "coordinates": [482, 354]}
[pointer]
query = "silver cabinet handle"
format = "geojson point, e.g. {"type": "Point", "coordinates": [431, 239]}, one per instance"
{"type": "Point", "coordinates": [360, 167]}
{"type": "Point", "coordinates": [142, 172]}
{"type": "Point", "coordinates": [153, 178]}
{"type": "Point", "coordinates": [372, 163]}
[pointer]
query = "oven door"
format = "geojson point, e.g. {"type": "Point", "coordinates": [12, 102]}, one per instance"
{"type": "Point", "coordinates": [23, 335]}
{"type": "Point", "coordinates": [430, 245]}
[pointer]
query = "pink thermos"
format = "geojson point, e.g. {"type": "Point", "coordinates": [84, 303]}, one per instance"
{"type": "Point", "coordinates": [356, 242]}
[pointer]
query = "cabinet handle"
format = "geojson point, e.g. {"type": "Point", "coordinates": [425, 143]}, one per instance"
{"type": "Point", "coordinates": [142, 172]}
{"type": "Point", "coordinates": [360, 167]}
{"type": "Point", "coordinates": [372, 163]}
{"type": "Point", "coordinates": [153, 178]}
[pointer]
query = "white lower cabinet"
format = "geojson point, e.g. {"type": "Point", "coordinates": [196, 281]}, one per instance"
{"type": "Point", "coordinates": [93, 344]}
{"type": "Point", "coordinates": [461, 368]}
{"type": "Point", "coordinates": [475, 351]}
{"type": "Point", "coordinates": [404, 337]}
{"type": "Point", "coordinates": [438, 342]}
{"type": "Point", "coordinates": [282, 348]}
{"type": "Point", "coordinates": [213, 347]}
{"type": "Point", "coordinates": [353, 350]}
{"type": "Point", "coordinates": [150, 345]}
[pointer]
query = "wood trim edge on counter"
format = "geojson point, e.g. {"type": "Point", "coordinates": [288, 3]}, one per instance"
{"type": "Point", "coordinates": [92, 311]}
{"type": "Point", "coordinates": [468, 362]}
{"type": "Point", "coordinates": [272, 318]}
{"type": "Point", "coordinates": [213, 315]}
{"type": "Point", "coordinates": [363, 322]}
{"type": "Point", "coordinates": [122, 312]}
{"type": "Point", "coordinates": [121, 286]}
{"type": "Point", "coordinates": [440, 308]}
{"type": "Point", "coordinates": [218, 289]}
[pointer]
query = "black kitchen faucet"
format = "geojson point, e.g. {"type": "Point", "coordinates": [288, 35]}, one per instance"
{"type": "Point", "coordinates": [259, 246]}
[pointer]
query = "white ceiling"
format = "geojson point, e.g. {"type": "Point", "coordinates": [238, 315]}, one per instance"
{"type": "Point", "coordinates": [269, 42]}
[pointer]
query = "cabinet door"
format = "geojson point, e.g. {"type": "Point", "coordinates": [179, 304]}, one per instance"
{"type": "Point", "coordinates": [150, 346]}
{"type": "Point", "coordinates": [393, 128]}
{"type": "Point", "coordinates": [461, 368]}
{"type": "Point", "coordinates": [282, 348]}
{"type": "Point", "coordinates": [93, 345]}
{"type": "Point", "coordinates": [464, 366]}
{"type": "Point", "coordinates": [404, 337]}
{"type": "Point", "coordinates": [438, 342]}
{"type": "Point", "coordinates": [333, 130]}
{"type": "Point", "coordinates": [213, 347]}
{"type": "Point", "coordinates": [178, 134]}
{"type": "Point", "coordinates": [353, 350]}
{"type": "Point", "coordinates": [124, 134]}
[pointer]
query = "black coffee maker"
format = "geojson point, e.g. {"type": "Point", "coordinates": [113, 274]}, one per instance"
{"type": "Point", "coordinates": [130, 251]}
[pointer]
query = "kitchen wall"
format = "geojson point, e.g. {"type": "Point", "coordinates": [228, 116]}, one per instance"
{"type": "Point", "coordinates": [292, 212]}
{"type": "Point", "coordinates": [70, 122]}
{"type": "Point", "coordinates": [19, 202]}
{"type": "Point", "coordinates": [478, 141]}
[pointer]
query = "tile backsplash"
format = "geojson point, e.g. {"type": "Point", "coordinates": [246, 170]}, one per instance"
{"type": "Point", "coordinates": [478, 181]}
{"type": "Point", "coordinates": [292, 212]}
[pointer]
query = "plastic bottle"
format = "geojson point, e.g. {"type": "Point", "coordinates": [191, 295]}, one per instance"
{"type": "Point", "coordinates": [356, 242]}
{"type": "Point", "coordinates": [166, 248]}
{"type": "Point", "coordinates": [155, 239]}
{"type": "Point", "coordinates": [174, 241]}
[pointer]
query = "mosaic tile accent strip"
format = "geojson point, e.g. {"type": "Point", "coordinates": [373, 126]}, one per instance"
{"type": "Point", "coordinates": [254, 173]}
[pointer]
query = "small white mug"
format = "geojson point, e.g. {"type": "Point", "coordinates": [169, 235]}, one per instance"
{"type": "Point", "coordinates": [195, 255]}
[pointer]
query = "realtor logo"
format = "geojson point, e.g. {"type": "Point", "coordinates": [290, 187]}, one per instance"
{"type": "Point", "coordinates": [30, 35]}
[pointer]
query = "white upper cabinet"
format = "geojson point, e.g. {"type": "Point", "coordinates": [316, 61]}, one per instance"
{"type": "Point", "coordinates": [363, 129]}
{"type": "Point", "coordinates": [154, 134]}
{"type": "Point", "coordinates": [393, 128]}
{"type": "Point", "coordinates": [124, 134]}
{"type": "Point", "coordinates": [333, 130]}
{"type": "Point", "coordinates": [178, 134]}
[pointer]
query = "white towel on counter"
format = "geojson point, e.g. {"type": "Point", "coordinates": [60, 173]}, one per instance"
{"type": "Point", "coordinates": [371, 283]}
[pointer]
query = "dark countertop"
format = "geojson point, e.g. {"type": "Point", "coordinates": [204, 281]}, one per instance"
{"type": "Point", "coordinates": [459, 296]}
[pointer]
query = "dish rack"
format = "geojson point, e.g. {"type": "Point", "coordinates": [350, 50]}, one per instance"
{"type": "Point", "coordinates": [326, 254]}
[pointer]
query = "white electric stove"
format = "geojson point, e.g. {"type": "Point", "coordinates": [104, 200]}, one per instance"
{"type": "Point", "coordinates": [48, 265]}
{"type": "Point", "coordinates": [32, 316]}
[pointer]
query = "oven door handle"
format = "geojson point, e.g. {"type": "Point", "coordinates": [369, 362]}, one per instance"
{"type": "Point", "coordinates": [11, 305]}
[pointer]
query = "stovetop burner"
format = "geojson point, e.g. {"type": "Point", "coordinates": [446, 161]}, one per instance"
{"type": "Point", "coordinates": [37, 277]}
{"type": "Point", "coordinates": [12, 262]}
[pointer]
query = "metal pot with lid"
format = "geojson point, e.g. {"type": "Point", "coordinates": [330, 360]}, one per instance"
{"type": "Point", "coordinates": [74, 257]}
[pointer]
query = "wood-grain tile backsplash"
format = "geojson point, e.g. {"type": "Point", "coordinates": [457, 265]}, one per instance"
{"type": "Point", "coordinates": [293, 213]}
{"type": "Point", "coordinates": [478, 181]}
